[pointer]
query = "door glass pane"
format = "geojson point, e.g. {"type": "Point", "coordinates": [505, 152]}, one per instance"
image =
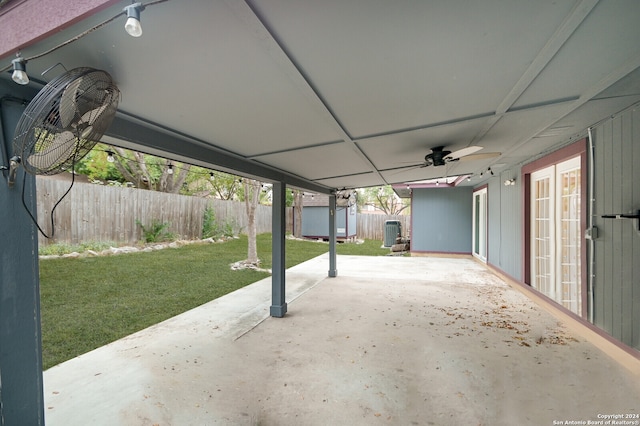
{"type": "Point", "coordinates": [541, 279]}
{"type": "Point", "coordinates": [569, 274]}
{"type": "Point", "coordinates": [476, 248]}
{"type": "Point", "coordinates": [480, 224]}
{"type": "Point", "coordinates": [556, 234]}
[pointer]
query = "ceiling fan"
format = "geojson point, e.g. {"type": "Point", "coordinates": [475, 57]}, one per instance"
{"type": "Point", "coordinates": [439, 156]}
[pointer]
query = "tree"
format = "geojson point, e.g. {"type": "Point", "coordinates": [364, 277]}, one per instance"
{"type": "Point", "coordinates": [298, 196]}
{"type": "Point", "coordinates": [252, 190]}
{"type": "Point", "coordinates": [382, 198]}
{"type": "Point", "coordinates": [96, 166]}
{"type": "Point", "coordinates": [208, 183]}
{"type": "Point", "coordinates": [146, 171]}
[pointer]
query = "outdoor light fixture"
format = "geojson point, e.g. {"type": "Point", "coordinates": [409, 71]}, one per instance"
{"type": "Point", "coordinates": [490, 171]}
{"type": "Point", "coordinates": [170, 169]}
{"type": "Point", "coordinates": [132, 26]}
{"type": "Point", "coordinates": [20, 71]}
{"type": "Point", "coordinates": [509, 182]}
{"type": "Point", "coordinates": [110, 157]}
{"type": "Point", "coordinates": [468, 178]}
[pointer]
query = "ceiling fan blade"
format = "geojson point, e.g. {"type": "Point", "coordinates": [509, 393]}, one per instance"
{"type": "Point", "coordinates": [483, 156]}
{"type": "Point", "coordinates": [464, 152]}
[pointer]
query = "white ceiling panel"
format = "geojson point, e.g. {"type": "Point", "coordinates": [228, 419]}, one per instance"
{"type": "Point", "coordinates": [227, 90]}
{"type": "Point", "coordinates": [606, 40]}
{"type": "Point", "coordinates": [362, 180]}
{"type": "Point", "coordinates": [384, 66]}
{"type": "Point", "coordinates": [346, 93]}
{"type": "Point", "coordinates": [319, 162]}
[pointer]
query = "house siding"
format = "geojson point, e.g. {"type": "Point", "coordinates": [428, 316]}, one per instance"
{"type": "Point", "coordinates": [441, 220]}
{"type": "Point", "coordinates": [504, 228]}
{"type": "Point", "coordinates": [617, 248]}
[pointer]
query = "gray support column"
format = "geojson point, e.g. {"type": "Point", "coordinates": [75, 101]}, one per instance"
{"type": "Point", "coordinates": [333, 272]}
{"type": "Point", "coordinates": [278, 254]}
{"type": "Point", "coordinates": [21, 390]}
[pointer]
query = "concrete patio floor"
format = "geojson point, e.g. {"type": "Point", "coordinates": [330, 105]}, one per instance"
{"type": "Point", "coordinates": [390, 341]}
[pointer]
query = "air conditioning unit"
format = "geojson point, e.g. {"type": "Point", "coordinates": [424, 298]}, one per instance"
{"type": "Point", "coordinates": [392, 230]}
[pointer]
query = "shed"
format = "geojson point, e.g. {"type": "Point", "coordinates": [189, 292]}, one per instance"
{"type": "Point", "coordinates": [315, 218]}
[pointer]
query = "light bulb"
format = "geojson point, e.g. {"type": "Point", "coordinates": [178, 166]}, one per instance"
{"type": "Point", "coordinates": [132, 26]}
{"type": "Point", "coordinates": [170, 170]}
{"type": "Point", "coordinates": [19, 71]}
{"type": "Point", "coordinates": [110, 157]}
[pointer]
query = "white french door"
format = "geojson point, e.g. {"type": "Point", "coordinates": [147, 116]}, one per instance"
{"type": "Point", "coordinates": [480, 224]}
{"type": "Point", "coordinates": [555, 233]}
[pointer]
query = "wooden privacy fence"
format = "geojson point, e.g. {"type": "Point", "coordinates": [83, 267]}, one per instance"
{"type": "Point", "coordinates": [105, 213]}
{"type": "Point", "coordinates": [372, 226]}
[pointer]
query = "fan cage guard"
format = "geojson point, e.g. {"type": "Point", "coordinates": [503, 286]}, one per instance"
{"type": "Point", "coordinates": [65, 120]}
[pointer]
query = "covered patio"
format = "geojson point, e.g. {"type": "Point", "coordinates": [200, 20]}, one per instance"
{"type": "Point", "coordinates": [392, 340]}
{"type": "Point", "coordinates": [328, 97]}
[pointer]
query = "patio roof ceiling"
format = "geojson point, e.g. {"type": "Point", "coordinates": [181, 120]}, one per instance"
{"type": "Point", "coordinates": [332, 94]}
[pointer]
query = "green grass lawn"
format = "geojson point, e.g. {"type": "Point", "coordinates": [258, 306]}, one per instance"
{"type": "Point", "coordinates": [90, 301]}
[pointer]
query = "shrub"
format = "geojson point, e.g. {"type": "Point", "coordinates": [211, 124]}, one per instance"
{"type": "Point", "coordinates": [156, 232]}
{"type": "Point", "coordinates": [210, 224]}
{"type": "Point", "coordinates": [211, 228]}
{"type": "Point", "coordinates": [229, 228]}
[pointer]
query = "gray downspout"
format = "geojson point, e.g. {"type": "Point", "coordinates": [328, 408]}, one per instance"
{"type": "Point", "coordinates": [592, 233]}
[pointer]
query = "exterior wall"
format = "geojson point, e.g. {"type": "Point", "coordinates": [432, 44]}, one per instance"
{"type": "Point", "coordinates": [351, 219]}
{"type": "Point", "coordinates": [315, 222]}
{"type": "Point", "coordinates": [504, 228]}
{"type": "Point", "coordinates": [21, 392]}
{"type": "Point", "coordinates": [617, 248]}
{"type": "Point", "coordinates": [441, 220]}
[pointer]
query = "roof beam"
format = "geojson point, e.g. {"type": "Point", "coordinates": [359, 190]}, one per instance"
{"type": "Point", "coordinates": [137, 134]}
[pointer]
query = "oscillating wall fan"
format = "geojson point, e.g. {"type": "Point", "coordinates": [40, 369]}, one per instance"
{"type": "Point", "coordinates": [65, 120]}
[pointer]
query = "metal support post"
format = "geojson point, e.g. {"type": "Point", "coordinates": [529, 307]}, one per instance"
{"type": "Point", "coordinates": [333, 272]}
{"type": "Point", "coordinates": [279, 226]}
{"type": "Point", "coordinates": [21, 386]}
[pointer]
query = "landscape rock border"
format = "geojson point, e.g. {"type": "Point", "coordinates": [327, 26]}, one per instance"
{"type": "Point", "coordinates": [112, 251]}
